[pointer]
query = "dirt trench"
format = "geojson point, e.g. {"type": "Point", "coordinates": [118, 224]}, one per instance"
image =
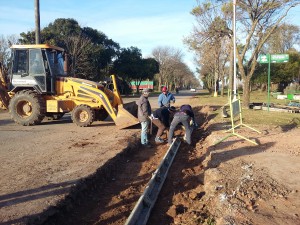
{"type": "Point", "coordinates": [109, 195]}
{"type": "Point", "coordinates": [234, 182]}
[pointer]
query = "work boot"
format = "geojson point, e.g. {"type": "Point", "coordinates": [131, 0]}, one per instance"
{"type": "Point", "coordinates": [158, 140]}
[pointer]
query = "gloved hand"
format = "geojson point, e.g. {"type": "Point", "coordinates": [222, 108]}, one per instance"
{"type": "Point", "coordinates": [193, 124]}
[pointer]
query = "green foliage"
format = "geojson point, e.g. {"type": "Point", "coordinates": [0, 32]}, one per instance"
{"type": "Point", "coordinates": [209, 82]}
{"type": "Point", "coordinates": [132, 67]}
{"type": "Point", "coordinates": [150, 68]}
{"type": "Point", "coordinates": [129, 63]}
{"type": "Point", "coordinates": [101, 52]}
{"type": "Point", "coordinates": [91, 52]}
{"type": "Point", "coordinates": [280, 72]}
{"type": "Point", "coordinates": [56, 32]}
{"type": "Point", "coordinates": [218, 28]}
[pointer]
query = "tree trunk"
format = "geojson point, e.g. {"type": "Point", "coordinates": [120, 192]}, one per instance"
{"type": "Point", "coordinates": [246, 93]}
{"type": "Point", "coordinates": [223, 84]}
{"type": "Point", "coordinates": [159, 83]}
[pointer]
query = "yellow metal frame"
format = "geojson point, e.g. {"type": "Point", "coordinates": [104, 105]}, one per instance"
{"type": "Point", "coordinates": [38, 46]}
{"type": "Point", "coordinates": [236, 109]}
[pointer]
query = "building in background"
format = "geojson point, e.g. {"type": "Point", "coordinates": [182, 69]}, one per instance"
{"type": "Point", "coordinates": [144, 84]}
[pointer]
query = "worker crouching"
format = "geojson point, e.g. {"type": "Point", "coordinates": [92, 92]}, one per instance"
{"type": "Point", "coordinates": [186, 117]}
{"type": "Point", "coordinates": [161, 119]}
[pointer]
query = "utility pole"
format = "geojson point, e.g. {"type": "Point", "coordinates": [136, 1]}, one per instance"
{"type": "Point", "coordinates": [234, 53]}
{"type": "Point", "coordinates": [37, 21]}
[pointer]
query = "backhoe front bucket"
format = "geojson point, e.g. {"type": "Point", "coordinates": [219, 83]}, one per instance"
{"type": "Point", "coordinates": [126, 116]}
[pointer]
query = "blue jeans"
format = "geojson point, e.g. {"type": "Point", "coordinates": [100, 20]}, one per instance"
{"type": "Point", "coordinates": [184, 119]}
{"type": "Point", "coordinates": [144, 135]}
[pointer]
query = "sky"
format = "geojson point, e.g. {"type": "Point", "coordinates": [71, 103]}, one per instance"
{"type": "Point", "coordinates": [145, 24]}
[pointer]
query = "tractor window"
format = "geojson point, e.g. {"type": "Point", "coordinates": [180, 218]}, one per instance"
{"type": "Point", "coordinates": [20, 62]}
{"type": "Point", "coordinates": [56, 63]}
{"type": "Point", "coordinates": [36, 65]}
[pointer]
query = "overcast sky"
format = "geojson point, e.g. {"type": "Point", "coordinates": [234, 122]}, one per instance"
{"type": "Point", "coordinates": [145, 24]}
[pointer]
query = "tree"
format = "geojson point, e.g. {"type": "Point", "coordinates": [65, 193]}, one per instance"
{"type": "Point", "coordinates": [128, 63]}
{"type": "Point", "coordinates": [5, 43]}
{"type": "Point", "coordinates": [281, 73]}
{"type": "Point", "coordinates": [101, 54]}
{"type": "Point", "coordinates": [55, 33]}
{"type": "Point", "coordinates": [210, 40]}
{"type": "Point", "coordinates": [132, 67]}
{"type": "Point", "coordinates": [78, 48]}
{"type": "Point", "coordinates": [149, 68]}
{"type": "Point", "coordinates": [166, 57]}
{"type": "Point", "coordinates": [284, 38]}
{"type": "Point", "coordinates": [256, 22]}
{"type": "Point", "coordinates": [91, 51]}
{"type": "Point", "coordinates": [173, 72]}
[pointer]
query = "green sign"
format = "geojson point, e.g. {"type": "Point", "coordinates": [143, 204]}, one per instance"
{"type": "Point", "coordinates": [279, 58]}
{"type": "Point", "coordinates": [263, 59]}
{"type": "Point", "coordinates": [276, 58]}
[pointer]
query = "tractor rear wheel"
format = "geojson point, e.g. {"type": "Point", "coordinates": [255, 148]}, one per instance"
{"type": "Point", "coordinates": [27, 108]}
{"type": "Point", "coordinates": [83, 115]}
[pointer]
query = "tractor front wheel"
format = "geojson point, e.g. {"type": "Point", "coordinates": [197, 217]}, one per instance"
{"type": "Point", "coordinates": [83, 115]}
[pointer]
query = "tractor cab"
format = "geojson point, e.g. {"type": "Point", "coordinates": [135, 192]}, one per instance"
{"type": "Point", "coordinates": [36, 67]}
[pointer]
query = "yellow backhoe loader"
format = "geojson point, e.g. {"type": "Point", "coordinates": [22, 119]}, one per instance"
{"type": "Point", "coordinates": [37, 86]}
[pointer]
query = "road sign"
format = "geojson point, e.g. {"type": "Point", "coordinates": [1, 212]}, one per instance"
{"type": "Point", "coordinates": [279, 58]}
{"type": "Point", "coordinates": [276, 58]}
{"type": "Point", "coordinates": [263, 59]}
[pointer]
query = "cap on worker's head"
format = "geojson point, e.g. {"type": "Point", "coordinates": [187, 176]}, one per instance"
{"type": "Point", "coordinates": [146, 90]}
{"type": "Point", "coordinates": [164, 89]}
{"type": "Point", "coordinates": [172, 109]}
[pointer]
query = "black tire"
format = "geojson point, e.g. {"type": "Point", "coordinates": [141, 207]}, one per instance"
{"type": "Point", "coordinates": [101, 114]}
{"type": "Point", "coordinates": [83, 115]}
{"type": "Point", "coordinates": [27, 108]}
{"type": "Point", "coordinates": [54, 116]}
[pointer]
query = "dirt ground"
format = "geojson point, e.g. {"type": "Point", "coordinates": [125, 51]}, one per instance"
{"type": "Point", "coordinates": [234, 182]}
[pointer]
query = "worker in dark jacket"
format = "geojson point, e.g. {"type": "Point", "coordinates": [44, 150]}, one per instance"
{"type": "Point", "coordinates": [144, 112]}
{"type": "Point", "coordinates": [161, 119]}
{"type": "Point", "coordinates": [188, 109]}
{"type": "Point", "coordinates": [184, 116]}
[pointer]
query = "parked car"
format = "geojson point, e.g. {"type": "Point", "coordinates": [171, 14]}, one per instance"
{"type": "Point", "coordinates": [193, 90]}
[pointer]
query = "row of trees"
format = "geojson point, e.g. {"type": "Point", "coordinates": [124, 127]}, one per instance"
{"type": "Point", "coordinates": [173, 71]}
{"type": "Point", "coordinates": [260, 29]}
{"type": "Point", "coordinates": [94, 56]}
